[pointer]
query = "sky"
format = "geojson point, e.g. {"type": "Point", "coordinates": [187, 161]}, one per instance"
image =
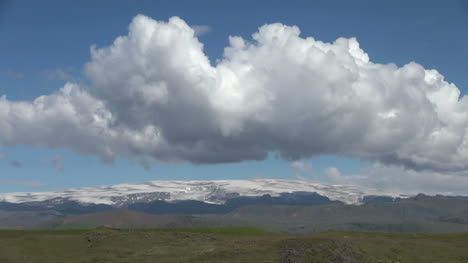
{"type": "Point", "coordinates": [362, 92]}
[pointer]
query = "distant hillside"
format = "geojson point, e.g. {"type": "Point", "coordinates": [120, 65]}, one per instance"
{"type": "Point", "coordinates": [122, 218]}
{"type": "Point", "coordinates": [432, 214]}
{"type": "Point", "coordinates": [191, 207]}
{"type": "Point", "coordinates": [59, 205]}
{"type": "Point", "coordinates": [292, 213]}
{"type": "Point", "coordinates": [25, 219]}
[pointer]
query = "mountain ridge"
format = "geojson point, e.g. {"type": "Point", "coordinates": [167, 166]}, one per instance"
{"type": "Point", "coordinates": [215, 191]}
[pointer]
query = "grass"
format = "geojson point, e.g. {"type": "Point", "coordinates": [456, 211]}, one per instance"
{"type": "Point", "coordinates": [234, 231]}
{"type": "Point", "coordinates": [227, 245]}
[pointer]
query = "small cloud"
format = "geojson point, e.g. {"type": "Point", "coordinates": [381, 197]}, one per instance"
{"type": "Point", "coordinates": [65, 74]}
{"type": "Point", "coordinates": [146, 164]}
{"type": "Point", "coordinates": [16, 164]}
{"type": "Point", "coordinates": [333, 174]}
{"type": "Point", "coordinates": [201, 29]}
{"type": "Point", "coordinates": [14, 74]}
{"type": "Point", "coordinates": [302, 170]}
{"type": "Point", "coordinates": [57, 163]}
{"type": "Point", "coordinates": [2, 155]}
{"type": "Point", "coordinates": [301, 166]}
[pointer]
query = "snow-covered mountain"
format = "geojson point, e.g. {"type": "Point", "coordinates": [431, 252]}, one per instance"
{"type": "Point", "coordinates": [208, 191]}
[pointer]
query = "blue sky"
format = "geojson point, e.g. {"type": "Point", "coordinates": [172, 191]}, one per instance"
{"type": "Point", "coordinates": [43, 44]}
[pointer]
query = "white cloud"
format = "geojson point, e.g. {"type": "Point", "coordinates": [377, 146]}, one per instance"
{"type": "Point", "coordinates": [154, 96]}
{"type": "Point", "coordinates": [301, 166]}
{"type": "Point", "coordinates": [303, 171]}
{"type": "Point", "coordinates": [200, 30]}
{"type": "Point", "coordinates": [333, 174]}
{"type": "Point", "coordinates": [65, 74]}
{"type": "Point", "coordinates": [397, 179]}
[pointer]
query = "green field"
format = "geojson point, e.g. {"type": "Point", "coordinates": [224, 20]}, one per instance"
{"type": "Point", "coordinates": [227, 245]}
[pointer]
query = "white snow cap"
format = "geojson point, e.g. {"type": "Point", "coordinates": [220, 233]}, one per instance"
{"type": "Point", "coordinates": [203, 191]}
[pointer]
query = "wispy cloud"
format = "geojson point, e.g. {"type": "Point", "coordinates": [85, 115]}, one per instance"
{"type": "Point", "coordinates": [302, 170]}
{"type": "Point", "coordinates": [2, 155]}
{"type": "Point", "coordinates": [14, 74]}
{"type": "Point", "coordinates": [16, 164]}
{"type": "Point", "coordinates": [57, 163]}
{"type": "Point", "coordinates": [301, 166]}
{"type": "Point", "coordinates": [201, 29]}
{"type": "Point", "coordinates": [392, 178]}
{"type": "Point", "coordinates": [26, 183]}
{"type": "Point", "coordinates": [66, 74]}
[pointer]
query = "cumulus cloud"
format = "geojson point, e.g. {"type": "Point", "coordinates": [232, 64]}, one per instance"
{"type": "Point", "coordinates": [398, 179]}
{"type": "Point", "coordinates": [154, 96]}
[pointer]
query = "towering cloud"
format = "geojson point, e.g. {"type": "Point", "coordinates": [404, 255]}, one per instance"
{"type": "Point", "coordinates": [155, 96]}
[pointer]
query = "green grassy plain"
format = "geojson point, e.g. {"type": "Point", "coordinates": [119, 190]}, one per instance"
{"type": "Point", "coordinates": [227, 245]}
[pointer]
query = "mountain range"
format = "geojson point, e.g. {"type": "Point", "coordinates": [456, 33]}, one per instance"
{"type": "Point", "coordinates": [286, 206]}
{"type": "Point", "coordinates": [214, 192]}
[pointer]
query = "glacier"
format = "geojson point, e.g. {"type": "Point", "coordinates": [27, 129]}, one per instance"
{"type": "Point", "coordinates": [217, 191]}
